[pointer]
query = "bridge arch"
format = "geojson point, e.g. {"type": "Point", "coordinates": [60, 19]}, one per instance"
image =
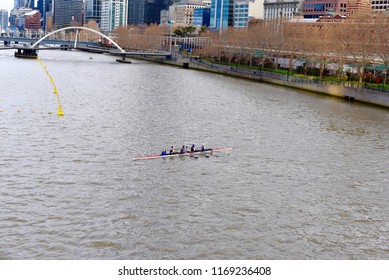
{"type": "Point", "coordinates": [78, 28]}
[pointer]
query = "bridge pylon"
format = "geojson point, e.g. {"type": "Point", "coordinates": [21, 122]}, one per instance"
{"type": "Point", "coordinates": [26, 52]}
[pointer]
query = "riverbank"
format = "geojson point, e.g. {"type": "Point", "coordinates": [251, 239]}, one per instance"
{"type": "Point", "coordinates": [348, 93]}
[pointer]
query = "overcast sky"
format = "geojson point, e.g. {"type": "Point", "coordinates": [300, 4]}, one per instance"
{"type": "Point", "coordinates": [8, 4]}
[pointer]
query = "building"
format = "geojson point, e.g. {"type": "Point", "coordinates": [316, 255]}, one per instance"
{"type": "Point", "coordinates": [16, 17]}
{"type": "Point", "coordinates": [49, 26]}
{"type": "Point", "coordinates": [164, 17]}
{"type": "Point", "coordinates": [184, 12]}
{"type": "Point", "coordinates": [93, 10]}
{"type": "Point", "coordinates": [3, 19]}
{"type": "Point", "coordinates": [318, 8]}
{"type": "Point", "coordinates": [44, 6]}
{"type": "Point", "coordinates": [222, 14]}
{"type": "Point", "coordinates": [362, 6]}
{"type": "Point", "coordinates": [24, 4]}
{"type": "Point", "coordinates": [32, 20]}
{"type": "Point", "coordinates": [256, 9]}
{"type": "Point", "coordinates": [68, 13]}
{"type": "Point", "coordinates": [201, 17]}
{"type": "Point", "coordinates": [113, 14]}
{"type": "Point", "coordinates": [332, 18]}
{"type": "Point", "coordinates": [377, 6]}
{"type": "Point", "coordinates": [146, 11]}
{"type": "Point", "coordinates": [241, 13]}
{"type": "Point", "coordinates": [286, 9]}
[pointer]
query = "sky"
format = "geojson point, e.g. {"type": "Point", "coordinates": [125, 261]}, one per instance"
{"type": "Point", "coordinates": [8, 4]}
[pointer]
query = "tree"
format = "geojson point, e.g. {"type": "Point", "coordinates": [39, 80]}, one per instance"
{"type": "Point", "coordinates": [382, 42]}
{"type": "Point", "coordinates": [321, 49]}
{"type": "Point", "coordinates": [360, 29]}
{"type": "Point", "coordinates": [184, 31]}
{"type": "Point", "coordinates": [122, 36]}
{"type": "Point", "coordinates": [340, 41]}
{"type": "Point", "coordinates": [153, 36]}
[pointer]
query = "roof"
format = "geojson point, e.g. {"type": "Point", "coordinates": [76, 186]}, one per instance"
{"type": "Point", "coordinates": [31, 13]}
{"type": "Point", "coordinates": [306, 20]}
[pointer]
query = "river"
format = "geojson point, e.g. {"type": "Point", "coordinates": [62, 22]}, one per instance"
{"type": "Point", "coordinates": [307, 177]}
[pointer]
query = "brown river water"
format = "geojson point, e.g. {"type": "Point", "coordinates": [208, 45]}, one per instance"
{"type": "Point", "coordinates": [307, 177]}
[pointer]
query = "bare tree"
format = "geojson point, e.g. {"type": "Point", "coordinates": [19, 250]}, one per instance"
{"type": "Point", "coordinates": [153, 35]}
{"type": "Point", "coordinates": [295, 41]}
{"type": "Point", "coordinates": [382, 40]}
{"type": "Point", "coordinates": [122, 36]}
{"type": "Point", "coordinates": [360, 28]}
{"type": "Point", "coordinates": [340, 41]}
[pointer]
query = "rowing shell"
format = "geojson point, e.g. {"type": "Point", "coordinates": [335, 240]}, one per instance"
{"type": "Point", "coordinates": [183, 155]}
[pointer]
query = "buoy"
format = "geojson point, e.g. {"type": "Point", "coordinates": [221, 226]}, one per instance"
{"type": "Point", "coordinates": [60, 112]}
{"type": "Point", "coordinates": [55, 90]}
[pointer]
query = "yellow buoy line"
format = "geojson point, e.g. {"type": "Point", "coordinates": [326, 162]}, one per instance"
{"type": "Point", "coordinates": [60, 112]}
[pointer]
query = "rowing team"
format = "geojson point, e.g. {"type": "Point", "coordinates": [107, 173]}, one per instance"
{"type": "Point", "coordinates": [183, 150]}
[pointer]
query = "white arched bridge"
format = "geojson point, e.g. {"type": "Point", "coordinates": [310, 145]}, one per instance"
{"type": "Point", "coordinates": [31, 50]}
{"type": "Point", "coordinates": [77, 28]}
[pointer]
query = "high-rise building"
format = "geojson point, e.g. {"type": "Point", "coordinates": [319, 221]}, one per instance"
{"type": "Point", "coordinates": [24, 3]}
{"type": "Point", "coordinates": [113, 14]}
{"type": "Point", "coordinates": [146, 11]}
{"type": "Point", "coordinates": [3, 19]}
{"type": "Point", "coordinates": [184, 12]}
{"type": "Point", "coordinates": [241, 13]}
{"type": "Point", "coordinates": [286, 9]}
{"type": "Point", "coordinates": [17, 3]}
{"type": "Point", "coordinates": [16, 17]}
{"type": "Point", "coordinates": [201, 17]}
{"type": "Point", "coordinates": [222, 14]}
{"type": "Point", "coordinates": [93, 10]}
{"type": "Point", "coordinates": [44, 6]}
{"type": "Point", "coordinates": [68, 12]}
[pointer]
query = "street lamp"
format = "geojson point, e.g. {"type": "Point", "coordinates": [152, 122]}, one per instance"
{"type": "Point", "coordinates": [171, 32]}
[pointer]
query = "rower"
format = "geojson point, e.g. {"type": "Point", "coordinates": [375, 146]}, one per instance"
{"type": "Point", "coordinates": [203, 148]}
{"type": "Point", "coordinates": [183, 151]}
{"type": "Point", "coordinates": [192, 149]}
{"type": "Point", "coordinates": [163, 153]}
{"type": "Point", "coordinates": [171, 150]}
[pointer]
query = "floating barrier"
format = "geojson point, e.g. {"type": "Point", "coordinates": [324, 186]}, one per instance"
{"type": "Point", "coordinates": [60, 112]}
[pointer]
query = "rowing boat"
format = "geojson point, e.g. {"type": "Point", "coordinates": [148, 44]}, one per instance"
{"type": "Point", "coordinates": [192, 154]}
